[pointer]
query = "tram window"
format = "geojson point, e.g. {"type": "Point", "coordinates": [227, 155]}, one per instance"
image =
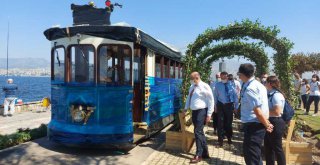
{"type": "Point", "coordinates": [158, 66]}
{"type": "Point", "coordinates": [176, 70]}
{"type": "Point", "coordinates": [165, 68]}
{"type": "Point", "coordinates": [172, 69]}
{"type": "Point", "coordinates": [181, 72]}
{"type": "Point", "coordinates": [115, 64]}
{"type": "Point", "coordinates": [127, 70]}
{"type": "Point", "coordinates": [82, 63]}
{"type": "Point", "coordinates": [105, 62]}
{"type": "Point", "coordinates": [58, 61]}
{"type": "Point", "coordinates": [136, 68]}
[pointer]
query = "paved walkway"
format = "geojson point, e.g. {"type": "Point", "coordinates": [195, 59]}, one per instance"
{"type": "Point", "coordinates": [226, 155]}
{"type": "Point", "coordinates": [30, 119]}
{"type": "Point", "coordinates": [43, 151]}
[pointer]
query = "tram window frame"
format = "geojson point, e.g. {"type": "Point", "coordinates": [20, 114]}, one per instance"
{"type": "Point", "coordinates": [53, 59]}
{"type": "Point", "coordinates": [181, 73]}
{"type": "Point", "coordinates": [166, 67]}
{"type": "Point", "coordinates": [176, 70]}
{"type": "Point", "coordinates": [137, 67]}
{"type": "Point", "coordinates": [158, 66]}
{"type": "Point", "coordinates": [69, 60]}
{"type": "Point", "coordinates": [114, 79]}
{"type": "Point", "coordinates": [172, 69]}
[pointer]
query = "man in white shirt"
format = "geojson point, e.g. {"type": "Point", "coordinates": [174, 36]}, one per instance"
{"type": "Point", "coordinates": [200, 101]}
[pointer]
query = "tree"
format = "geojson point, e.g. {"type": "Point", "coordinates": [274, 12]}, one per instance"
{"type": "Point", "coordinates": [305, 62]}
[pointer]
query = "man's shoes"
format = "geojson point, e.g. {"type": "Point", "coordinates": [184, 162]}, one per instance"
{"type": "Point", "coordinates": [4, 115]}
{"type": "Point", "coordinates": [10, 115]}
{"type": "Point", "coordinates": [195, 160]}
{"type": "Point", "coordinates": [220, 143]}
{"type": "Point", "coordinates": [306, 113]}
{"type": "Point", "coordinates": [229, 141]}
{"type": "Point", "coordinates": [316, 114]}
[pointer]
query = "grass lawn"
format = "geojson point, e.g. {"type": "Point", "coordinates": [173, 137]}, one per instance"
{"type": "Point", "coordinates": [312, 122]}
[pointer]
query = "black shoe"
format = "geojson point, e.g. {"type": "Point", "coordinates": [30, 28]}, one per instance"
{"type": "Point", "coordinates": [205, 155]}
{"type": "Point", "coordinates": [229, 141]}
{"type": "Point", "coordinates": [10, 115]}
{"type": "Point", "coordinates": [220, 143]}
{"type": "Point", "coordinates": [4, 115]}
{"type": "Point", "coordinates": [195, 160]}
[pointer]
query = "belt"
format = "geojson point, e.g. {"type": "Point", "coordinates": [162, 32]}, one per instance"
{"type": "Point", "coordinates": [225, 103]}
{"type": "Point", "coordinates": [251, 123]}
{"type": "Point", "coordinates": [198, 109]}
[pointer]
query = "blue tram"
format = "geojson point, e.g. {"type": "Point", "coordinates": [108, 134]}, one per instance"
{"type": "Point", "coordinates": [110, 85]}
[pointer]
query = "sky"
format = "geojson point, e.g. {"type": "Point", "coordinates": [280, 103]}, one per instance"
{"type": "Point", "coordinates": [175, 22]}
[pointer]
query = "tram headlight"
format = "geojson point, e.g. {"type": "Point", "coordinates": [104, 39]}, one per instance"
{"type": "Point", "coordinates": [78, 114]}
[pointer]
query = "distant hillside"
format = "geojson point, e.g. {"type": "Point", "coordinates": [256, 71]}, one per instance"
{"type": "Point", "coordinates": [28, 63]}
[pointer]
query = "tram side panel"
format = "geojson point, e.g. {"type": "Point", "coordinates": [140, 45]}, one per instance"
{"type": "Point", "coordinates": [164, 101]}
{"type": "Point", "coordinates": [110, 123]}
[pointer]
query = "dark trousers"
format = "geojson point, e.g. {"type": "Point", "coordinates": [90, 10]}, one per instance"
{"type": "Point", "coordinates": [199, 119]}
{"type": "Point", "coordinates": [316, 102]}
{"type": "Point", "coordinates": [253, 136]}
{"type": "Point", "coordinates": [225, 118]}
{"type": "Point", "coordinates": [273, 142]}
{"type": "Point", "coordinates": [215, 120]}
{"type": "Point", "coordinates": [304, 99]}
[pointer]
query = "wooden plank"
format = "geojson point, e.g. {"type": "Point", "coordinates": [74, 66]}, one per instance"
{"type": "Point", "coordinates": [300, 158]}
{"type": "Point", "coordinates": [288, 139]}
{"type": "Point", "coordinates": [300, 145]}
{"type": "Point", "coordinates": [300, 150]}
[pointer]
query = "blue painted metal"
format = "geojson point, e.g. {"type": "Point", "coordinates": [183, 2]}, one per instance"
{"type": "Point", "coordinates": [112, 116]}
{"type": "Point", "coordinates": [165, 98]}
{"type": "Point", "coordinates": [111, 122]}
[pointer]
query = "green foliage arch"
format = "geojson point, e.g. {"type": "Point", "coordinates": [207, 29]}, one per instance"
{"type": "Point", "coordinates": [268, 37]}
{"type": "Point", "coordinates": [252, 51]}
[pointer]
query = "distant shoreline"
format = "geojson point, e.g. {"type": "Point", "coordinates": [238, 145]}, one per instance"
{"type": "Point", "coordinates": [21, 76]}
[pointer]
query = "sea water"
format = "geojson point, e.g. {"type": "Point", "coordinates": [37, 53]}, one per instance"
{"type": "Point", "coordinates": [29, 88]}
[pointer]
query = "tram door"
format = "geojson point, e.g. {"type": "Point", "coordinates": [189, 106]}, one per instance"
{"type": "Point", "coordinates": [138, 85]}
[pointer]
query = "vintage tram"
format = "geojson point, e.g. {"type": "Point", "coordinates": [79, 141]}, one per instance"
{"type": "Point", "coordinates": [110, 85]}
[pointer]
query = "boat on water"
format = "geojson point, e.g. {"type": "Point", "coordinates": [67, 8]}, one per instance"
{"type": "Point", "coordinates": [111, 85]}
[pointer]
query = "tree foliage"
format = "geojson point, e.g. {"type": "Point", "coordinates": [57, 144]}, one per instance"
{"type": "Point", "coordinates": [252, 51]}
{"type": "Point", "coordinates": [305, 62]}
{"type": "Point", "coordinates": [268, 36]}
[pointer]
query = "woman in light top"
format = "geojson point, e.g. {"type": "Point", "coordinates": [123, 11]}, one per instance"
{"type": "Point", "coordinates": [314, 94]}
{"type": "Point", "coordinates": [273, 140]}
{"type": "Point", "coordinates": [304, 92]}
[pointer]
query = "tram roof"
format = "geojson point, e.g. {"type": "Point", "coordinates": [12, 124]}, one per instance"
{"type": "Point", "coordinates": [120, 33]}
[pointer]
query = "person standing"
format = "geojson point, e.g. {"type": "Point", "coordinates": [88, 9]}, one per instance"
{"type": "Point", "coordinates": [10, 96]}
{"type": "Point", "coordinates": [314, 94]}
{"type": "Point", "coordinates": [236, 84]}
{"type": "Point", "coordinates": [273, 141]}
{"type": "Point", "coordinates": [214, 114]}
{"type": "Point", "coordinates": [254, 114]}
{"type": "Point", "coordinates": [264, 78]}
{"type": "Point", "coordinates": [226, 102]}
{"type": "Point", "coordinates": [304, 92]}
{"type": "Point", "coordinates": [297, 83]}
{"type": "Point", "coordinates": [200, 101]}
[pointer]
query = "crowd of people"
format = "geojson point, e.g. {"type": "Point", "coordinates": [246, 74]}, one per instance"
{"type": "Point", "coordinates": [260, 104]}
{"type": "Point", "coordinates": [308, 92]}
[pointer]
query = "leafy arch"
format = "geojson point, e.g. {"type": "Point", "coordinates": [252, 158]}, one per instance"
{"type": "Point", "coordinates": [252, 51]}
{"type": "Point", "coordinates": [268, 37]}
